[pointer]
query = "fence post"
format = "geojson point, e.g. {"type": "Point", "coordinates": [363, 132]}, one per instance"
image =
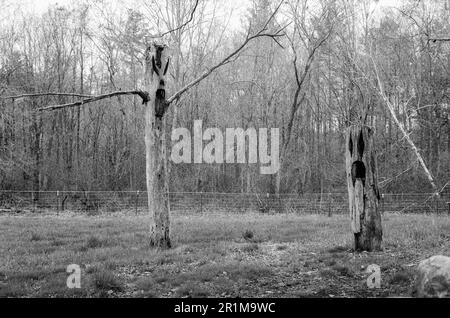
{"type": "Point", "coordinates": [448, 203]}
{"type": "Point", "coordinates": [329, 206]}
{"type": "Point", "coordinates": [86, 200]}
{"type": "Point", "coordinates": [58, 202]}
{"type": "Point", "coordinates": [201, 202]}
{"type": "Point", "coordinates": [136, 202]}
{"type": "Point", "coordinates": [33, 203]}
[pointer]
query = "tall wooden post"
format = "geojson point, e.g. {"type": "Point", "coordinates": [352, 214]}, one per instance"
{"type": "Point", "coordinates": [362, 180]}
{"type": "Point", "coordinates": [156, 63]}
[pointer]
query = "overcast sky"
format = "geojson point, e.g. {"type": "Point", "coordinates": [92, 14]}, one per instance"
{"type": "Point", "coordinates": [238, 6]}
{"type": "Point", "coordinates": [235, 9]}
{"type": "Point", "coordinates": [42, 5]}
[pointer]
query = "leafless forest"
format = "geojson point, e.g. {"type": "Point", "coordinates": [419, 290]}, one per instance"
{"type": "Point", "coordinates": [92, 91]}
{"type": "Point", "coordinates": [336, 62]}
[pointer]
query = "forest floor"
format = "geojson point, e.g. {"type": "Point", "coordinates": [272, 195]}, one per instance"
{"type": "Point", "coordinates": [245, 255]}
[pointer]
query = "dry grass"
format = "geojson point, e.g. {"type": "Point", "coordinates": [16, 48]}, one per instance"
{"type": "Point", "coordinates": [247, 255]}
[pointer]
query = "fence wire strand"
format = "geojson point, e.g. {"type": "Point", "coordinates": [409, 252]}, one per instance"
{"type": "Point", "coordinates": [206, 202]}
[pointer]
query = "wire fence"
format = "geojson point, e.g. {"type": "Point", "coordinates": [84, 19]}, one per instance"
{"type": "Point", "coordinates": [94, 202]}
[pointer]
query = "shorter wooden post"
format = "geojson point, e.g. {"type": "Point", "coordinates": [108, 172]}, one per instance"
{"type": "Point", "coordinates": [329, 206]}
{"type": "Point", "coordinates": [136, 202]}
{"type": "Point", "coordinates": [58, 202]}
{"type": "Point", "coordinates": [33, 202]}
{"type": "Point", "coordinates": [201, 202]}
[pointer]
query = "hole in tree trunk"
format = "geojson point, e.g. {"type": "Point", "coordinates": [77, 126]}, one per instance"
{"type": "Point", "coordinates": [358, 172]}
{"type": "Point", "coordinates": [160, 94]}
{"type": "Point", "coordinates": [158, 56]}
{"type": "Point", "coordinates": [361, 144]}
{"type": "Point", "coordinates": [350, 146]}
{"type": "Point", "coordinates": [160, 104]}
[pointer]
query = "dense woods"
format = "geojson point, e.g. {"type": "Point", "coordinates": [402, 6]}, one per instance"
{"type": "Point", "coordinates": [336, 64]}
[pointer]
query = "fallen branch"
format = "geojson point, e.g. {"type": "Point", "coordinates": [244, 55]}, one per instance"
{"type": "Point", "coordinates": [428, 199]}
{"type": "Point", "coordinates": [384, 183]}
{"type": "Point", "coordinates": [144, 95]}
{"type": "Point", "coordinates": [403, 131]}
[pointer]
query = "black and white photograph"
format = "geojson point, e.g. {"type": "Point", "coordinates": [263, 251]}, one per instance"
{"type": "Point", "coordinates": [241, 151]}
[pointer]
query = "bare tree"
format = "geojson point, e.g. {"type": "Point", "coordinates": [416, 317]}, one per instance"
{"type": "Point", "coordinates": [304, 31]}
{"type": "Point", "coordinates": [156, 66]}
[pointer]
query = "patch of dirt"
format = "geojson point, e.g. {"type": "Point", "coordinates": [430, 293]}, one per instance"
{"type": "Point", "coordinates": [333, 273]}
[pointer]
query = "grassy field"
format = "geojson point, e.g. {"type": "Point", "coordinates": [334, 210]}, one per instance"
{"type": "Point", "coordinates": [247, 255]}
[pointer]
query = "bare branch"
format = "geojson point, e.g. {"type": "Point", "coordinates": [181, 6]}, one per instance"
{"type": "Point", "coordinates": [45, 94]}
{"type": "Point", "coordinates": [439, 39]}
{"type": "Point", "coordinates": [414, 20]}
{"type": "Point", "coordinates": [182, 25]}
{"type": "Point", "coordinates": [297, 101]}
{"type": "Point", "coordinates": [272, 16]}
{"type": "Point", "coordinates": [227, 59]}
{"type": "Point", "coordinates": [433, 39]}
{"type": "Point", "coordinates": [144, 95]}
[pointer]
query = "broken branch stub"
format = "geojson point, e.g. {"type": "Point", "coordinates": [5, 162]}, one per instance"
{"type": "Point", "coordinates": [362, 181]}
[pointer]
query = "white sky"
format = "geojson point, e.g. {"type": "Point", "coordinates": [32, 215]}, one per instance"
{"type": "Point", "coordinates": [234, 8]}
{"type": "Point", "coordinates": [238, 6]}
{"type": "Point", "coordinates": [42, 5]}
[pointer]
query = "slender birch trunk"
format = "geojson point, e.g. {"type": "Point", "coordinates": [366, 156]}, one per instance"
{"type": "Point", "coordinates": [405, 134]}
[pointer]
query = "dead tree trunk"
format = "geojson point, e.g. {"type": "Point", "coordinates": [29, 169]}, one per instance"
{"type": "Point", "coordinates": [156, 64]}
{"type": "Point", "coordinates": [362, 180]}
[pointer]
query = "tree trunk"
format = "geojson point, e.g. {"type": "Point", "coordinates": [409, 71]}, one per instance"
{"type": "Point", "coordinates": [362, 180]}
{"type": "Point", "coordinates": [155, 144]}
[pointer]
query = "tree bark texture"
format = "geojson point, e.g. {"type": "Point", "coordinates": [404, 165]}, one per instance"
{"type": "Point", "coordinates": [155, 144]}
{"type": "Point", "coordinates": [362, 180]}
